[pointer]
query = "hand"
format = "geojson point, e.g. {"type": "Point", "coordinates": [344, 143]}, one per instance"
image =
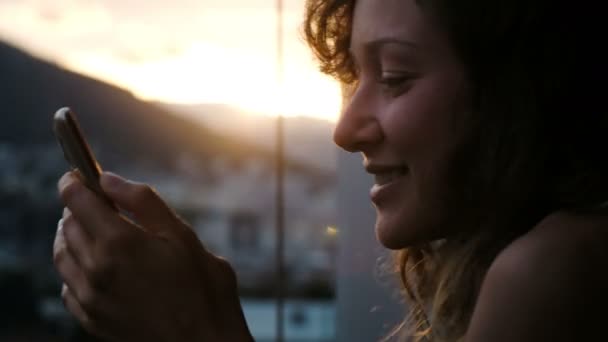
{"type": "Point", "coordinates": [148, 280]}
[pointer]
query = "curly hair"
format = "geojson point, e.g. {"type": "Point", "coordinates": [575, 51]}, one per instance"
{"type": "Point", "coordinates": [540, 119]}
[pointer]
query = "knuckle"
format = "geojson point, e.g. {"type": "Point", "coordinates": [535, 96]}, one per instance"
{"type": "Point", "coordinates": [59, 255]}
{"type": "Point", "coordinates": [75, 305]}
{"type": "Point", "coordinates": [227, 271]}
{"type": "Point", "coordinates": [64, 295]}
{"type": "Point", "coordinates": [69, 227]}
{"type": "Point", "coordinates": [101, 273]}
{"type": "Point", "coordinates": [71, 192]}
{"type": "Point", "coordinates": [66, 212]}
{"type": "Point", "coordinates": [143, 192]}
{"type": "Point", "coordinates": [88, 265]}
{"type": "Point", "coordinates": [115, 243]}
{"type": "Point", "coordinates": [88, 299]}
{"type": "Point", "coordinates": [66, 221]}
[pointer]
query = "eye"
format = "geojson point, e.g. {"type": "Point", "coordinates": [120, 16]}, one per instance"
{"type": "Point", "coordinates": [392, 82]}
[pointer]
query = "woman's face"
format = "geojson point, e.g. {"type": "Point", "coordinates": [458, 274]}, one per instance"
{"type": "Point", "coordinates": [408, 117]}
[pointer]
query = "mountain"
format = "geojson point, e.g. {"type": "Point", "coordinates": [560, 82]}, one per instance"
{"type": "Point", "coordinates": [223, 185]}
{"type": "Point", "coordinates": [306, 139]}
{"type": "Point", "coordinates": [119, 127]}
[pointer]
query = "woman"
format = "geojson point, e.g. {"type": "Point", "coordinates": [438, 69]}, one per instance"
{"type": "Point", "coordinates": [484, 127]}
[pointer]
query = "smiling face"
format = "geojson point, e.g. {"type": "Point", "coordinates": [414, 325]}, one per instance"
{"type": "Point", "coordinates": [408, 117]}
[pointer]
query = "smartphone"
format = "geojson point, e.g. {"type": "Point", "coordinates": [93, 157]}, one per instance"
{"type": "Point", "coordinates": [77, 151]}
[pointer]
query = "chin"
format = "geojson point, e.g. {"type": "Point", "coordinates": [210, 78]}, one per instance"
{"type": "Point", "coordinates": [392, 232]}
{"type": "Point", "coordinates": [399, 230]}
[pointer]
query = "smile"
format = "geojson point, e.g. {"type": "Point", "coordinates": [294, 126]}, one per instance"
{"type": "Point", "coordinates": [388, 177]}
{"type": "Point", "coordinates": [384, 174]}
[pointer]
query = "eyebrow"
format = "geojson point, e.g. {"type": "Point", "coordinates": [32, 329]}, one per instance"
{"type": "Point", "coordinates": [378, 43]}
{"type": "Point", "coordinates": [374, 46]}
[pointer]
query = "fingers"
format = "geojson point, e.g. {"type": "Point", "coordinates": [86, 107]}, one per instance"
{"type": "Point", "coordinates": [65, 263]}
{"type": "Point", "coordinates": [88, 209]}
{"type": "Point", "coordinates": [59, 244]}
{"type": "Point", "coordinates": [96, 261]}
{"type": "Point", "coordinates": [73, 277]}
{"type": "Point", "coordinates": [88, 323]}
{"type": "Point", "coordinates": [78, 241]}
{"type": "Point", "coordinates": [79, 297]}
{"type": "Point", "coordinates": [73, 306]}
{"type": "Point", "coordinates": [139, 199]}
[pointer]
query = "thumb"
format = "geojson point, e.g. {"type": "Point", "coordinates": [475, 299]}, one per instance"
{"type": "Point", "coordinates": [138, 199]}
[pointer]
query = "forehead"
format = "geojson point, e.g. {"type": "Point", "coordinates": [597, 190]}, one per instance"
{"type": "Point", "coordinates": [391, 19]}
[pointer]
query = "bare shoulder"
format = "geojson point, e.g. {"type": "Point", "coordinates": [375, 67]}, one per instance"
{"type": "Point", "coordinates": [548, 284]}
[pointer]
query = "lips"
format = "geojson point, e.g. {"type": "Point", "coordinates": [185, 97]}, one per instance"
{"type": "Point", "coordinates": [388, 179]}
{"type": "Point", "coordinates": [384, 174]}
{"type": "Point", "coordinates": [383, 178]}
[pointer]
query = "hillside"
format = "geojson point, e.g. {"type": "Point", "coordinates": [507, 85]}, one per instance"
{"type": "Point", "coordinates": [120, 127]}
{"type": "Point", "coordinates": [306, 139]}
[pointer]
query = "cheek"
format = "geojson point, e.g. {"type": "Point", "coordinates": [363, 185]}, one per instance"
{"type": "Point", "coordinates": [428, 127]}
{"type": "Point", "coordinates": [420, 126]}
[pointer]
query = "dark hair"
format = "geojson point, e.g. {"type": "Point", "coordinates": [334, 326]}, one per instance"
{"type": "Point", "coordinates": [537, 69]}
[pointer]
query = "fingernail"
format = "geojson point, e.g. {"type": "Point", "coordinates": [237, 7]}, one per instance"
{"type": "Point", "coordinates": [66, 212]}
{"type": "Point", "coordinates": [65, 180]}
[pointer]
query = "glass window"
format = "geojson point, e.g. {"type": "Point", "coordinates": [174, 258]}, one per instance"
{"type": "Point", "coordinates": [182, 95]}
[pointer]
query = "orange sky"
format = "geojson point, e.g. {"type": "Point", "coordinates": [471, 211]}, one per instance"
{"type": "Point", "coordinates": [186, 51]}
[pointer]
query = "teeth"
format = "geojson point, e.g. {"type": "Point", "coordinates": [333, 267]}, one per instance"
{"type": "Point", "coordinates": [388, 177]}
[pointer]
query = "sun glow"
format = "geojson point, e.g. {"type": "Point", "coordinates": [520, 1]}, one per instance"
{"type": "Point", "coordinates": [211, 52]}
{"type": "Point", "coordinates": [209, 74]}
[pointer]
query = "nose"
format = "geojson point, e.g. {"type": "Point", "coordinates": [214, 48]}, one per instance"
{"type": "Point", "coordinates": [358, 129]}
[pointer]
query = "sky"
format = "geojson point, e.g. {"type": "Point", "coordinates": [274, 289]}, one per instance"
{"type": "Point", "coordinates": [179, 51]}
